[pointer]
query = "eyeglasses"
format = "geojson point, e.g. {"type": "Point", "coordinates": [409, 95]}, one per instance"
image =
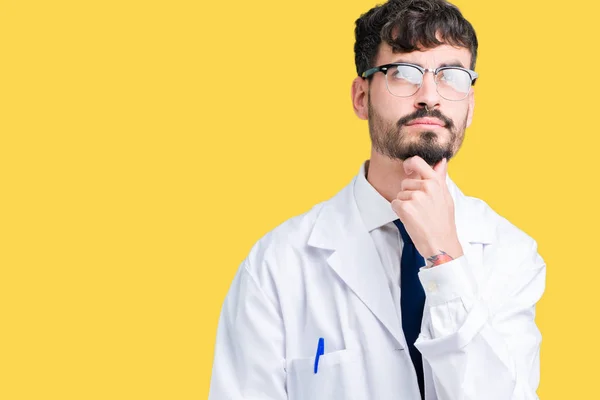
{"type": "Point", "coordinates": [404, 80]}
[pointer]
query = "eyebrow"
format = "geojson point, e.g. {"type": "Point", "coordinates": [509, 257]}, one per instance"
{"type": "Point", "coordinates": [453, 63]}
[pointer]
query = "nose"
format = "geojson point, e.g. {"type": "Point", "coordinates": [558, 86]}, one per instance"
{"type": "Point", "coordinates": [427, 95]}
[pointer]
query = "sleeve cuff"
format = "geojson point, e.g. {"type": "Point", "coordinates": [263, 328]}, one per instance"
{"type": "Point", "coordinates": [447, 281]}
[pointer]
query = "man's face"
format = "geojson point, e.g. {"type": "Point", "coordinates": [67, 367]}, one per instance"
{"type": "Point", "coordinates": [390, 117]}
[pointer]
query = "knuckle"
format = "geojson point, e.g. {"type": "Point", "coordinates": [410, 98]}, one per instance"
{"type": "Point", "coordinates": [432, 186]}
{"type": "Point", "coordinates": [406, 184]}
{"type": "Point", "coordinates": [427, 186]}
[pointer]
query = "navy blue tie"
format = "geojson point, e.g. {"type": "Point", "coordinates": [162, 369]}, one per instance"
{"type": "Point", "coordinates": [412, 299]}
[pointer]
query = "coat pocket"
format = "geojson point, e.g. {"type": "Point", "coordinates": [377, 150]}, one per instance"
{"type": "Point", "coordinates": [339, 376]}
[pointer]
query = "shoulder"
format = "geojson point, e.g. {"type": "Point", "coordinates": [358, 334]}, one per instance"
{"type": "Point", "coordinates": [283, 244]}
{"type": "Point", "coordinates": [509, 240]}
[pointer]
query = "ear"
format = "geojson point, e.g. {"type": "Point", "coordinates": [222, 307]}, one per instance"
{"type": "Point", "coordinates": [471, 106]}
{"type": "Point", "coordinates": [360, 88]}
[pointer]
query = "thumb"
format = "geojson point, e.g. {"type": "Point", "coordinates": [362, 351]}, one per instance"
{"type": "Point", "coordinates": [441, 168]}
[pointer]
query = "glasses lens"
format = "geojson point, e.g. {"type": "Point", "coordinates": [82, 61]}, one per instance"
{"type": "Point", "coordinates": [403, 80]}
{"type": "Point", "coordinates": [453, 83]}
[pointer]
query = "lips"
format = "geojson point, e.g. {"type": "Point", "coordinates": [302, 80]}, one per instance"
{"type": "Point", "coordinates": [426, 121]}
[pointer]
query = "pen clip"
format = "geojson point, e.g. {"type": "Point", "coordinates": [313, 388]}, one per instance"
{"type": "Point", "coordinates": [320, 352]}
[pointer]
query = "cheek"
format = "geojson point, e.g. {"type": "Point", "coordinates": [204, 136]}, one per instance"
{"type": "Point", "coordinates": [391, 108]}
{"type": "Point", "coordinates": [459, 114]}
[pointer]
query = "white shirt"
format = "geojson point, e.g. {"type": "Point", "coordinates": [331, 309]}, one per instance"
{"type": "Point", "coordinates": [378, 216]}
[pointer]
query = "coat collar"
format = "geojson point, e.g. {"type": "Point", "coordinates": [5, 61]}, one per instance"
{"type": "Point", "coordinates": [339, 227]}
{"type": "Point", "coordinates": [337, 218]}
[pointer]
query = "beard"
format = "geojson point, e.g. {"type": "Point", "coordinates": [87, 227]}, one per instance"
{"type": "Point", "coordinates": [397, 143]}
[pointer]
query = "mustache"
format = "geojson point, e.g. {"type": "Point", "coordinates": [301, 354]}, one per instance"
{"type": "Point", "coordinates": [422, 113]}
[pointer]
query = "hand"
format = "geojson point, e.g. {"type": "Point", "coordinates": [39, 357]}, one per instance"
{"type": "Point", "coordinates": [426, 208]}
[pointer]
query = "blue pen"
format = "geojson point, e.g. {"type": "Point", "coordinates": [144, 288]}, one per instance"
{"type": "Point", "coordinates": [320, 352]}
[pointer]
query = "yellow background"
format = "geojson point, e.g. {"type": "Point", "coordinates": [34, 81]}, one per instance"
{"type": "Point", "coordinates": [145, 146]}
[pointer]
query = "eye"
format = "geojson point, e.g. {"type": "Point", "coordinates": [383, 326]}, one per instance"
{"type": "Point", "coordinates": [455, 76]}
{"type": "Point", "coordinates": [407, 74]}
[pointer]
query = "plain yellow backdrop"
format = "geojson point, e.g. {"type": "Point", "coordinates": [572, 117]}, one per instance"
{"type": "Point", "coordinates": [145, 146]}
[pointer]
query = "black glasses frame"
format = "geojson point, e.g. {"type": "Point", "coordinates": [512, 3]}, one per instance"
{"type": "Point", "coordinates": [386, 67]}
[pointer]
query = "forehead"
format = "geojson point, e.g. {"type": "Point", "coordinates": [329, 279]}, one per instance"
{"type": "Point", "coordinates": [429, 58]}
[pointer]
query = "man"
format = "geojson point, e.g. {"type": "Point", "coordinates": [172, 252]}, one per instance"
{"type": "Point", "coordinates": [400, 286]}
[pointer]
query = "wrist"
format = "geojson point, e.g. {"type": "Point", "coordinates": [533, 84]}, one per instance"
{"type": "Point", "coordinates": [443, 253]}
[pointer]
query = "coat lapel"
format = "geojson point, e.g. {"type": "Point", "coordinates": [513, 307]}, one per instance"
{"type": "Point", "coordinates": [339, 227]}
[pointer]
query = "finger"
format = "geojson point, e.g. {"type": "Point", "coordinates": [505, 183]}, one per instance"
{"type": "Point", "coordinates": [441, 168]}
{"type": "Point", "coordinates": [418, 165]}
{"type": "Point", "coordinates": [398, 206]}
{"type": "Point", "coordinates": [412, 184]}
{"type": "Point", "coordinates": [402, 207]}
{"type": "Point", "coordinates": [407, 195]}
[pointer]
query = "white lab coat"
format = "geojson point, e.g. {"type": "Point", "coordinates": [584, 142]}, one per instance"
{"type": "Point", "coordinates": [319, 275]}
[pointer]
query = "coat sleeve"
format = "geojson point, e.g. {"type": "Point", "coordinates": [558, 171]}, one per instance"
{"type": "Point", "coordinates": [477, 350]}
{"type": "Point", "coordinates": [249, 351]}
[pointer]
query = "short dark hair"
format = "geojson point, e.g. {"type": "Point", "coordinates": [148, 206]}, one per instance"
{"type": "Point", "coordinates": [409, 25]}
